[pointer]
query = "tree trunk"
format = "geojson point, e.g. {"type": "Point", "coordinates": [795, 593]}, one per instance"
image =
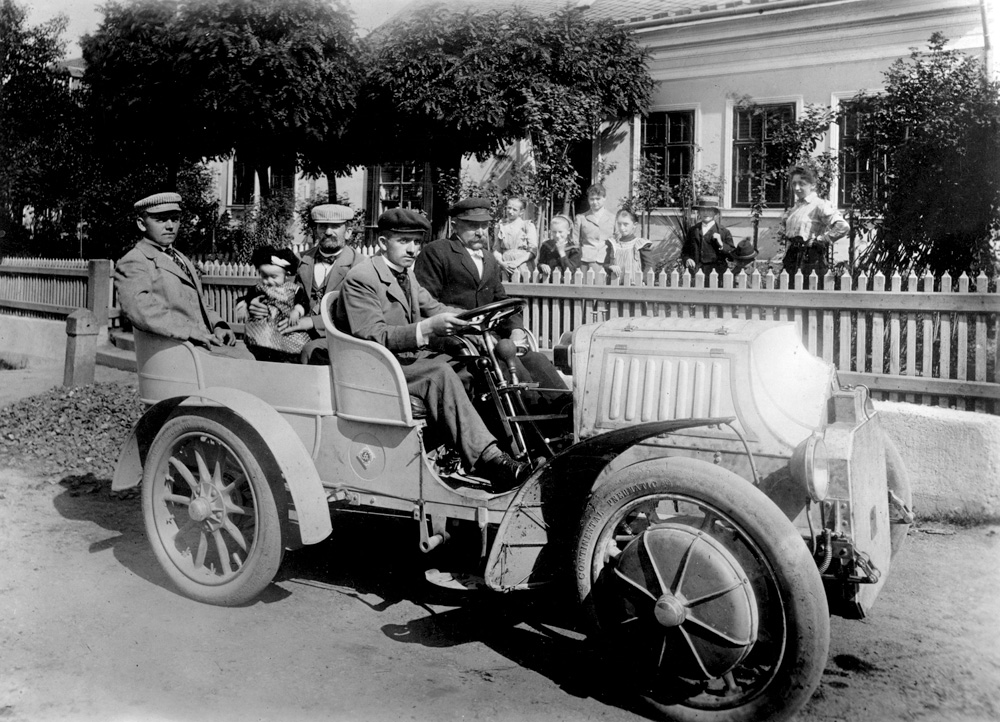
{"type": "Point", "coordinates": [446, 162]}
{"type": "Point", "coordinates": [263, 180]}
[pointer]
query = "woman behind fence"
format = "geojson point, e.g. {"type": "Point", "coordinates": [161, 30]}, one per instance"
{"type": "Point", "coordinates": [810, 228]}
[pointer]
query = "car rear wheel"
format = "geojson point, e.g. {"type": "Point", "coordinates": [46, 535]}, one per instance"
{"type": "Point", "coordinates": [210, 513]}
{"type": "Point", "coordinates": [703, 593]}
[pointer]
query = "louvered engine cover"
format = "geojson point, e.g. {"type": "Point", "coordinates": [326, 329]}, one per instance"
{"type": "Point", "coordinates": [630, 370]}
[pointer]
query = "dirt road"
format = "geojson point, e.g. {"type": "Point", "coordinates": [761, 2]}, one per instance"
{"type": "Point", "coordinates": [89, 630]}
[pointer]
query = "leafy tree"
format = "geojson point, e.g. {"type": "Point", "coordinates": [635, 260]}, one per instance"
{"type": "Point", "coordinates": [39, 128]}
{"type": "Point", "coordinates": [442, 84]}
{"type": "Point", "coordinates": [266, 224]}
{"type": "Point", "coordinates": [650, 191]}
{"type": "Point", "coordinates": [273, 81]}
{"type": "Point", "coordinates": [937, 127]}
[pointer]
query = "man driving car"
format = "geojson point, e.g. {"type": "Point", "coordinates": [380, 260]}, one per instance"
{"type": "Point", "coordinates": [381, 300]}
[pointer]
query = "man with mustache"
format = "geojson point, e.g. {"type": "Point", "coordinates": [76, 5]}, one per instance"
{"type": "Point", "coordinates": [458, 272]}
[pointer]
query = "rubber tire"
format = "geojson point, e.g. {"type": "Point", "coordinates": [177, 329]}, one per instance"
{"type": "Point", "coordinates": [898, 479]}
{"type": "Point", "coordinates": [802, 665]}
{"type": "Point", "coordinates": [266, 549]}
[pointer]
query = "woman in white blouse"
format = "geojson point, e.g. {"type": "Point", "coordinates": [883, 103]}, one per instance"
{"type": "Point", "coordinates": [811, 226]}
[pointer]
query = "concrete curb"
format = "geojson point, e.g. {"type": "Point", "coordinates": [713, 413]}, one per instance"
{"type": "Point", "coordinates": [953, 458]}
{"type": "Point", "coordinates": [34, 337]}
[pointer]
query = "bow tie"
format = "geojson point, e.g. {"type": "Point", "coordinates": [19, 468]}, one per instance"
{"type": "Point", "coordinates": [328, 260]}
{"type": "Point", "coordinates": [477, 254]}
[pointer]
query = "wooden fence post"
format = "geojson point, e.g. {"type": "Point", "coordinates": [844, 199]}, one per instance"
{"type": "Point", "coordinates": [81, 348]}
{"type": "Point", "coordinates": [99, 289]}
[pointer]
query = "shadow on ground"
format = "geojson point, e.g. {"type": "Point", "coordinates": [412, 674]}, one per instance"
{"type": "Point", "coordinates": [367, 557]}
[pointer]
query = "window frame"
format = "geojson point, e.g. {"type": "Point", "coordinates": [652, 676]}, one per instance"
{"type": "Point", "coordinates": [692, 144]}
{"type": "Point", "coordinates": [837, 142]}
{"type": "Point", "coordinates": [731, 180]}
{"type": "Point", "coordinates": [375, 185]}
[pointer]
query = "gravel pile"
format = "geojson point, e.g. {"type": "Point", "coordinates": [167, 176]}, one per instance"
{"type": "Point", "coordinates": [70, 431]}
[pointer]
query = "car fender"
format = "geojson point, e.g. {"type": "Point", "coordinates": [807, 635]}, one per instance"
{"type": "Point", "coordinates": [544, 514]}
{"type": "Point", "coordinates": [282, 443]}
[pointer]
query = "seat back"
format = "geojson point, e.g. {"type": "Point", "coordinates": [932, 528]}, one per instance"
{"type": "Point", "coordinates": [368, 383]}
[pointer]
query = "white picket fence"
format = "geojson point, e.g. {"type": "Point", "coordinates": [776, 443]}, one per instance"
{"type": "Point", "coordinates": [927, 340]}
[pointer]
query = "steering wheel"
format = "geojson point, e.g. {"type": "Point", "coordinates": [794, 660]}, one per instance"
{"type": "Point", "coordinates": [486, 317]}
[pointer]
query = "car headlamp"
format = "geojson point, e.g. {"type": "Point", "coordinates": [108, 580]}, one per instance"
{"type": "Point", "coordinates": [809, 466]}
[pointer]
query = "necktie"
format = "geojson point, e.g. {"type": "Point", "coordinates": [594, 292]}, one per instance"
{"type": "Point", "coordinates": [179, 260]}
{"type": "Point", "coordinates": [403, 279]}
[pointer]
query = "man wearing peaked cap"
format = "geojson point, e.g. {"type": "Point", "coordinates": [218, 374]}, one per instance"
{"type": "Point", "coordinates": [382, 301]}
{"type": "Point", "coordinates": [321, 271]}
{"type": "Point", "coordinates": [461, 271]}
{"type": "Point", "coordinates": [158, 203]}
{"type": "Point", "coordinates": [472, 209]}
{"type": "Point", "coordinates": [158, 287]}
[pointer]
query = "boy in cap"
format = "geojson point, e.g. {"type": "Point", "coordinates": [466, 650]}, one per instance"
{"type": "Point", "coordinates": [159, 289]}
{"type": "Point", "coordinates": [382, 301]}
{"type": "Point", "coordinates": [458, 272]}
{"type": "Point", "coordinates": [708, 244]}
{"type": "Point", "coordinates": [321, 271]}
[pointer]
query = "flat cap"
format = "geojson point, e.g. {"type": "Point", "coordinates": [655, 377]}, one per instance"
{"type": "Point", "coordinates": [403, 220]}
{"type": "Point", "coordinates": [472, 209]}
{"type": "Point", "coordinates": [331, 213]}
{"type": "Point", "coordinates": [158, 203]}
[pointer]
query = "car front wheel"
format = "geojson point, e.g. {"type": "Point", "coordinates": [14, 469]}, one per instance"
{"type": "Point", "coordinates": [703, 592]}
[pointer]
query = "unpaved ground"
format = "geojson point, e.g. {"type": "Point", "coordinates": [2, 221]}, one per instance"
{"type": "Point", "coordinates": [89, 630]}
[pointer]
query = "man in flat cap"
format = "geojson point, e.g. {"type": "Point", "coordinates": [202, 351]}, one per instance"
{"type": "Point", "coordinates": [382, 301]}
{"type": "Point", "coordinates": [159, 289]}
{"type": "Point", "coordinates": [321, 271]}
{"type": "Point", "coordinates": [458, 272]}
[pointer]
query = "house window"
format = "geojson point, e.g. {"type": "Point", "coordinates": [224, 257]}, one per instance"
{"type": "Point", "coordinates": [400, 185]}
{"type": "Point", "coordinates": [668, 144]}
{"type": "Point", "coordinates": [753, 133]}
{"type": "Point", "coordinates": [243, 183]}
{"type": "Point", "coordinates": [861, 172]}
{"type": "Point", "coordinates": [283, 179]}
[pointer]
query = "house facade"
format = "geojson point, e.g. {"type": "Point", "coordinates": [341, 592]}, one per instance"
{"type": "Point", "coordinates": [780, 55]}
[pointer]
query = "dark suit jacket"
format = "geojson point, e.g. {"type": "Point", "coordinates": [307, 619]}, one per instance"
{"type": "Point", "coordinates": [347, 259]}
{"type": "Point", "coordinates": [372, 306]}
{"type": "Point", "coordinates": [705, 253]}
{"type": "Point", "coordinates": [159, 297]}
{"type": "Point", "coordinates": [446, 270]}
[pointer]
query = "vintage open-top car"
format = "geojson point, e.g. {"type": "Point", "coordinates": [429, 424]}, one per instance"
{"type": "Point", "coordinates": [711, 493]}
